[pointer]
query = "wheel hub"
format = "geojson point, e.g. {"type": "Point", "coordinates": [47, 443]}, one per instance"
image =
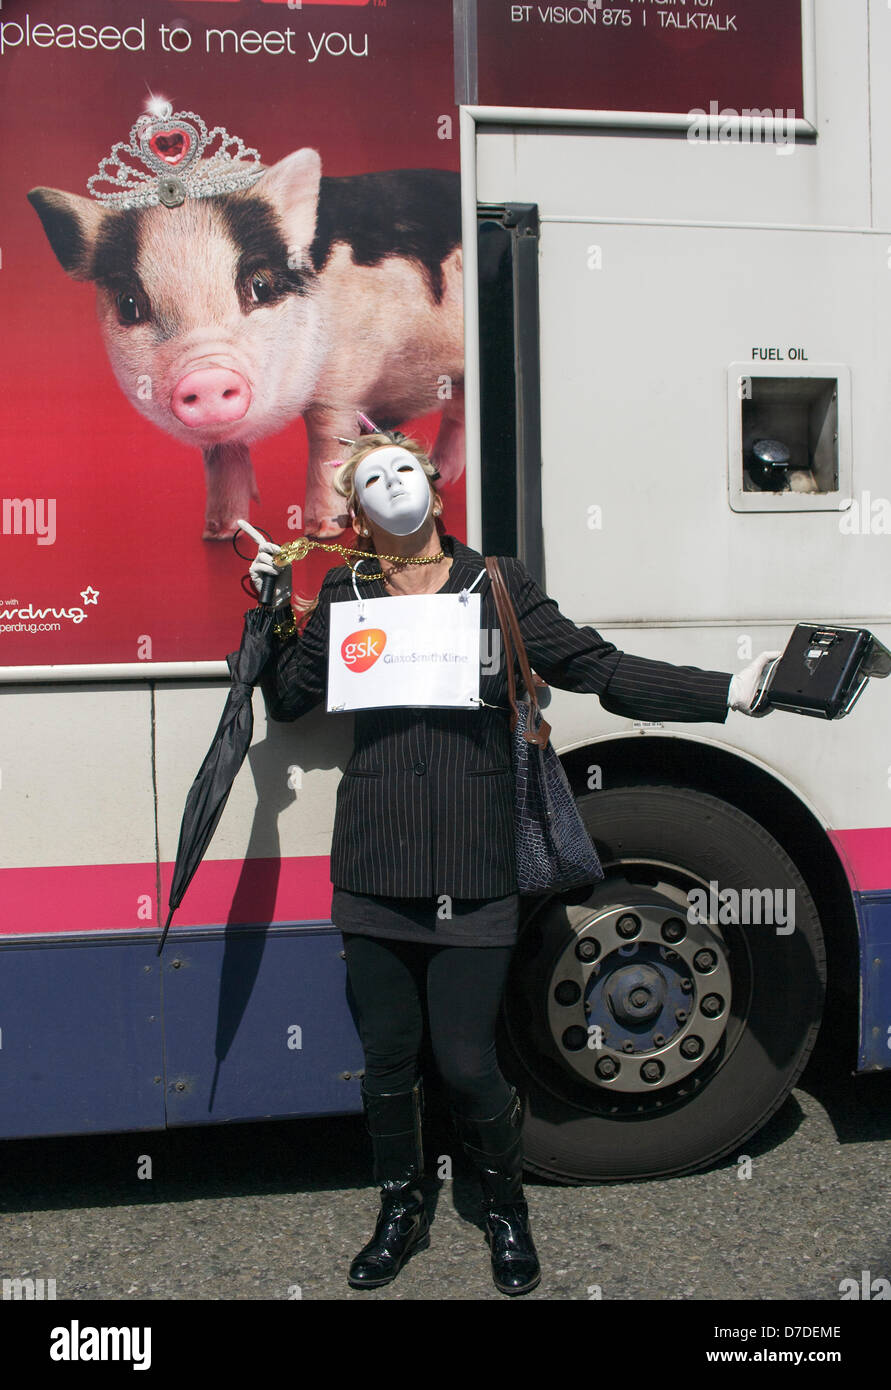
{"type": "Point", "coordinates": [634, 993]}
{"type": "Point", "coordinates": [639, 997]}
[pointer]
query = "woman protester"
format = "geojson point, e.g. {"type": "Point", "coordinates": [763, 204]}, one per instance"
{"type": "Point", "coordinates": [423, 859]}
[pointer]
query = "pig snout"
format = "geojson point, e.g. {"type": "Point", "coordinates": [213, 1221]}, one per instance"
{"type": "Point", "coordinates": [210, 396]}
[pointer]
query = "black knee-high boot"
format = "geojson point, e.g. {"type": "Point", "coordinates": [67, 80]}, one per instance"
{"type": "Point", "coordinates": [496, 1149]}
{"type": "Point", "coordinates": [394, 1123]}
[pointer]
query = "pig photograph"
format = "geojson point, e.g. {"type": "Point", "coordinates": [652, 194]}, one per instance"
{"type": "Point", "coordinates": [230, 231]}
{"type": "Point", "coordinates": [228, 317]}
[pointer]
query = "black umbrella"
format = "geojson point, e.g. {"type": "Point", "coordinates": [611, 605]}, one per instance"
{"type": "Point", "coordinates": [210, 789]}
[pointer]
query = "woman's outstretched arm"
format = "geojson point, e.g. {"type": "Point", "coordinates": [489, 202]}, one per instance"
{"type": "Point", "coordinates": [578, 658]}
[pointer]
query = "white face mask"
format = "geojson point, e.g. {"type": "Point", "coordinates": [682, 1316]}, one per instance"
{"type": "Point", "coordinates": [393, 491]}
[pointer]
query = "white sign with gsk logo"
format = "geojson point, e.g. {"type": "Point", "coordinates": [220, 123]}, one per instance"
{"type": "Point", "coordinates": [418, 649]}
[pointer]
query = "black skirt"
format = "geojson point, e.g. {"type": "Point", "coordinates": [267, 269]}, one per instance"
{"type": "Point", "coordinates": [441, 921]}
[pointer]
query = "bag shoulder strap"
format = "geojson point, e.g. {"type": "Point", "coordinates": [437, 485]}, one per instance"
{"type": "Point", "coordinates": [513, 640]}
{"type": "Point", "coordinates": [498, 595]}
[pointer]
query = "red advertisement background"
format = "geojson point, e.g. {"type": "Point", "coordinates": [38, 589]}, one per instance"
{"type": "Point", "coordinates": [607, 66]}
{"type": "Point", "coordinates": [129, 498]}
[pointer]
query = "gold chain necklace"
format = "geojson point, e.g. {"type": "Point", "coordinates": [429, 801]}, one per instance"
{"type": "Point", "coordinates": [297, 550]}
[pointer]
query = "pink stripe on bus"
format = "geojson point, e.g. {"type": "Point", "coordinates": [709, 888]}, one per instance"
{"type": "Point", "coordinates": [866, 857]}
{"type": "Point", "coordinates": [109, 897]}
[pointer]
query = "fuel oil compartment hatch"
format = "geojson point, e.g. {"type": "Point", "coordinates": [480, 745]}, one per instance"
{"type": "Point", "coordinates": [789, 437]}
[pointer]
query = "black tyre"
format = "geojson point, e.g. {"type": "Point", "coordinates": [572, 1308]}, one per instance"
{"type": "Point", "coordinates": [646, 1042]}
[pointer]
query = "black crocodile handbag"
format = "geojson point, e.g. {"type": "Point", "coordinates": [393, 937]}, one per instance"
{"type": "Point", "coordinates": [554, 850]}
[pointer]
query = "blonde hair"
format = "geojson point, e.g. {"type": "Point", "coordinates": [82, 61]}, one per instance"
{"type": "Point", "coordinates": [345, 485]}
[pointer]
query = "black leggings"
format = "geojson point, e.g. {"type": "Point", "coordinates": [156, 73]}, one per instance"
{"type": "Point", "coordinates": [464, 984]}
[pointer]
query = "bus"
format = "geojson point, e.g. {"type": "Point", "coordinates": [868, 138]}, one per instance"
{"type": "Point", "coordinates": [676, 238]}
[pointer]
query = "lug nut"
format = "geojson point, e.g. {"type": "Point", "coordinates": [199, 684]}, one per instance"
{"type": "Point", "coordinates": [673, 929]}
{"type": "Point", "coordinates": [651, 1071]}
{"type": "Point", "coordinates": [712, 1005]}
{"type": "Point", "coordinates": [691, 1047]}
{"type": "Point", "coordinates": [686, 986]}
{"type": "Point", "coordinates": [607, 1068]}
{"type": "Point", "coordinates": [680, 1015]}
{"type": "Point", "coordinates": [628, 926]}
{"type": "Point", "coordinates": [705, 960]}
{"type": "Point", "coordinates": [588, 949]}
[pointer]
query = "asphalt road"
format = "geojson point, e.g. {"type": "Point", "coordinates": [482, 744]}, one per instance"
{"type": "Point", "coordinates": [275, 1211]}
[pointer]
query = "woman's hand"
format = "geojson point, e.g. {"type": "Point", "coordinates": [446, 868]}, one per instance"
{"type": "Point", "coordinates": [263, 565]}
{"type": "Point", "coordinates": [744, 685]}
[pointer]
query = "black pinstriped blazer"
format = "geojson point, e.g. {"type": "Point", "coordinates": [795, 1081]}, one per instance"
{"type": "Point", "coordinates": [426, 802]}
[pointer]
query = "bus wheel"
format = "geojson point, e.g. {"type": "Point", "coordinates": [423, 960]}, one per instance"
{"type": "Point", "coordinates": [653, 1028]}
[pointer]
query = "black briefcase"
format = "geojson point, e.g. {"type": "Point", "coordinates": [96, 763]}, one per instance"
{"type": "Point", "coordinates": [822, 672]}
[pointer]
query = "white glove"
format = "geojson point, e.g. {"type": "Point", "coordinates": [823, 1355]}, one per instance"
{"type": "Point", "coordinates": [744, 685]}
{"type": "Point", "coordinates": [263, 565]}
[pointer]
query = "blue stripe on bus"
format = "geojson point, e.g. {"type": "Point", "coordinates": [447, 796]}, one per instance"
{"type": "Point", "coordinates": [874, 912]}
{"type": "Point", "coordinates": [254, 1023]}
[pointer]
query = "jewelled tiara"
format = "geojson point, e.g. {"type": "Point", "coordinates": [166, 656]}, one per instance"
{"type": "Point", "coordinates": [167, 161]}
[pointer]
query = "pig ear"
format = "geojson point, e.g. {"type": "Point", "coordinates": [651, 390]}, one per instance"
{"type": "Point", "coordinates": [292, 186]}
{"type": "Point", "coordinates": [71, 224]}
